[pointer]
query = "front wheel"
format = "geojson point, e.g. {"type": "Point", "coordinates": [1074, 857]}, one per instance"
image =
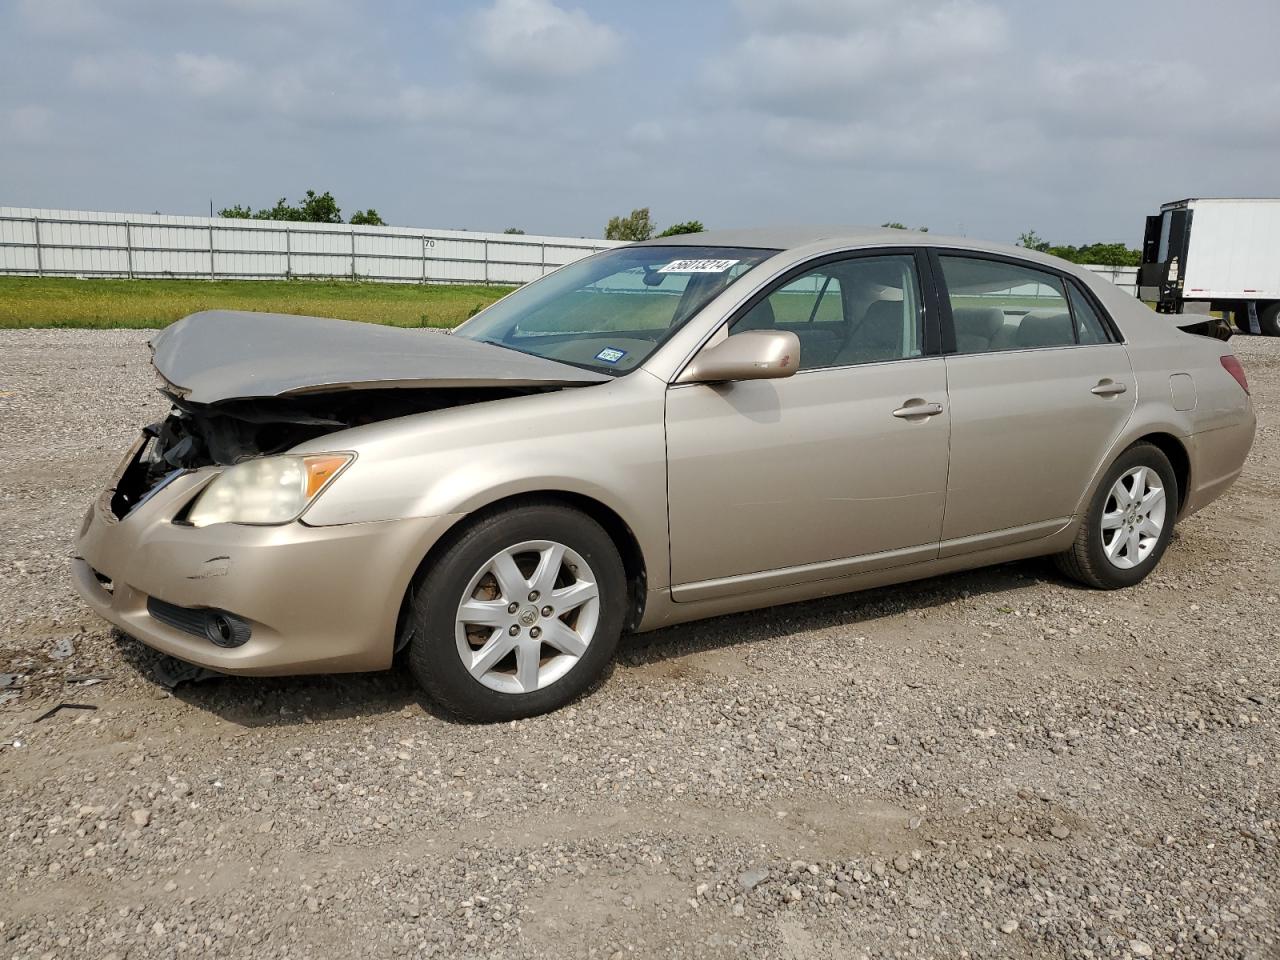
{"type": "Point", "coordinates": [519, 615]}
{"type": "Point", "coordinates": [1128, 523]}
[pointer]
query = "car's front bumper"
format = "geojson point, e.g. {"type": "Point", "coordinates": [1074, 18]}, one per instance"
{"type": "Point", "coordinates": [317, 599]}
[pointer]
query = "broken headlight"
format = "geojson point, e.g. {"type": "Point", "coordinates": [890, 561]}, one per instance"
{"type": "Point", "coordinates": [266, 490]}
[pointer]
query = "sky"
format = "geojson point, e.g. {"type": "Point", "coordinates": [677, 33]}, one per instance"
{"type": "Point", "coordinates": [976, 117]}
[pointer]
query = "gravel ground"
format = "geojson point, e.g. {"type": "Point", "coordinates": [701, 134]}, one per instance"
{"type": "Point", "coordinates": [993, 764]}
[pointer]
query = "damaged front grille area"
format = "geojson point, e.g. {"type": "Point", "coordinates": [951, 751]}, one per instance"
{"type": "Point", "coordinates": [146, 474]}
{"type": "Point", "coordinates": [198, 435]}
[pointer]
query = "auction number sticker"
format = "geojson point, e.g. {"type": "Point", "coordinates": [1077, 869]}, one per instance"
{"type": "Point", "coordinates": [698, 266]}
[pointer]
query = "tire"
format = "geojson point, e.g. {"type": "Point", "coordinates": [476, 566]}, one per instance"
{"type": "Point", "coordinates": [521, 660]}
{"type": "Point", "coordinates": [1269, 319]}
{"type": "Point", "coordinates": [1240, 316]}
{"type": "Point", "coordinates": [1088, 561]}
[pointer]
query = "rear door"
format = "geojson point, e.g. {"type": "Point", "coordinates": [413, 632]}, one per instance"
{"type": "Point", "coordinates": [1040, 388]}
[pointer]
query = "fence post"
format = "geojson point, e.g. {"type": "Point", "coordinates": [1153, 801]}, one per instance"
{"type": "Point", "coordinates": [543, 257]}
{"type": "Point", "coordinates": [486, 262]}
{"type": "Point", "coordinates": [288, 253]}
{"type": "Point", "coordinates": [211, 269]}
{"type": "Point", "coordinates": [128, 246]}
{"type": "Point", "coordinates": [353, 254]}
{"type": "Point", "coordinates": [39, 253]}
{"type": "Point", "coordinates": [424, 259]}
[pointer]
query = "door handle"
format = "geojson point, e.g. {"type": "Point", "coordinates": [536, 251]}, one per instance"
{"type": "Point", "coordinates": [1108, 388]}
{"type": "Point", "coordinates": [917, 408]}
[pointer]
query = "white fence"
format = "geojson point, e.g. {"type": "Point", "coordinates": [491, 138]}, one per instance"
{"type": "Point", "coordinates": [1126, 278]}
{"type": "Point", "coordinates": [78, 243]}
{"type": "Point", "coordinates": [62, 243]}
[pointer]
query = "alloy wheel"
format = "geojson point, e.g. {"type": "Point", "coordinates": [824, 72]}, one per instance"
{"type": "Point", "coordinates": [527, 616]}
{"type": "Point", "coordinates": [1133, 517]}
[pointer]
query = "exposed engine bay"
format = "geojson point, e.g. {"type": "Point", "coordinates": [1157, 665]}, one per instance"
{"type": "Point", "coordinates": [247, 385]}
{"type": "Point", "coordinates": [198, 435]}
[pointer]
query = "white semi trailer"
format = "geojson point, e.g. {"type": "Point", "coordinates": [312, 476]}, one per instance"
{"type": "Point", "coordinates": [1203, 255]}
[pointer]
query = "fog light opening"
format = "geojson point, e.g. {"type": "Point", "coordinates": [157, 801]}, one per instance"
{"type": "Point", "coordinates": [225, 630]}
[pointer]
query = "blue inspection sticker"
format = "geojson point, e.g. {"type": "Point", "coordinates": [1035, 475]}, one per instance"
{"type": "Point", "coordinates": [611, 355]}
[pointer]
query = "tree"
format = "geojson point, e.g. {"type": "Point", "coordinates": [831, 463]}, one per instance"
{"type": "Point", "coordinates": [1033, 241]}
{"type": "Point", "coordinates": [635, 227]}
{"type": "Point", "coordinates": [513, 230]}
{"type": "Point", "coordinates": [1102, 254]}
{"type": "Point", "coordinates": [314, 208]}
{"type": "Point", "coordinates": [689, 226]}
{"type": "Point", "coordinates": [320, 209]}
{"type": "Point", "coordinates": [895, 225]}
{"type": "Point", "coordinates": [283, 210]}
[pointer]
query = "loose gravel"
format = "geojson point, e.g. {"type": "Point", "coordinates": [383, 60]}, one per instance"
{"type": "Point", "coordinates": [992, 764]}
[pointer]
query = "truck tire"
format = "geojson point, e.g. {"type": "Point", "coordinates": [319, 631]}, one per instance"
{"type": "Point", "coordinates": [1269, 319]}
{"type": "Point", "coordinates": [1240, 316]}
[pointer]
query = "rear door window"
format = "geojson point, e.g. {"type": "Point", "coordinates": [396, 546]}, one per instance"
{"type": "Point", "coordinates": [996, 305]}
{"type": "Point", "coordinates": [1089, 326]}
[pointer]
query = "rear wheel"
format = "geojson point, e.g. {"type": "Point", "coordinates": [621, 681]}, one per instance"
{"type": "Point", "coordinates": [519, 615]}
{"type": "Point", "coordinates": [1128, 524]}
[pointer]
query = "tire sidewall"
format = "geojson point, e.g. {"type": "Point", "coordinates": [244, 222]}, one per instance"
{"type": "Point", "coordinates": [433, 652]}
{"type": "Point", "coordinates": [1269, 320]}
{"type": "Point", "coordinates": [1142, 455]}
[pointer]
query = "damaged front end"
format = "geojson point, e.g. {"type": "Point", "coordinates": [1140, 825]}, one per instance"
{"type": "Point", "coordinates": [247, 385]}
{"type": "Point", "coordinates": [197, 435]}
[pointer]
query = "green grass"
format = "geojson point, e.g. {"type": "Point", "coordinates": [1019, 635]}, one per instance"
{"type": "Point", "coordinates": [67, 302]}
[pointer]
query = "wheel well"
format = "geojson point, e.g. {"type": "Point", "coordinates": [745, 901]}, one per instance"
{"type": "Point", "coordinates": [619, 532]}
{"type": "Point", "coordinates": [1172, 448]}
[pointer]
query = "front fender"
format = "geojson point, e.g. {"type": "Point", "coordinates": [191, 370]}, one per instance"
{"type": "Point", "coordinates": [606, 443]}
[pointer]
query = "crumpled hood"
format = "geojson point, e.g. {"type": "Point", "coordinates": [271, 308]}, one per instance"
{"type": "Point", "coordinates": [229, 354]}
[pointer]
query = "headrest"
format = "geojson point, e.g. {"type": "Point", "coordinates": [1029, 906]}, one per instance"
{"type": "Point", "coordinates": [977, 321]}
{"type": "Point", "coordinates": [1045, 330]}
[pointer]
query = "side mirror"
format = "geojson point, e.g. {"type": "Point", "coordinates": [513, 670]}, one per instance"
{"type": "Point", "coordinates": [750, 355]}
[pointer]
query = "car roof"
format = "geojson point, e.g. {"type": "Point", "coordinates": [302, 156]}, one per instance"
{"type": "Point", "coordinates": [789, 238]}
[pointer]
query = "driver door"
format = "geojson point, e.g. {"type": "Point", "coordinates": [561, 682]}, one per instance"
{"type": "Point", "coordinates": [840, 468]}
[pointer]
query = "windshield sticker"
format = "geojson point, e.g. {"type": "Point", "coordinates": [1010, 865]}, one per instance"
{"type": "Point", "coordinates": [611, 354]}
{"type": "Point", "coordinates": [698, 266]}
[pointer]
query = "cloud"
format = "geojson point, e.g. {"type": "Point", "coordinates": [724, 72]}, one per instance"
{"type": "Point", "coordinates": [996, 113]}
{"type": "Point", "coordinates": [539, 40]}
{"type": "Point", "coordinates": [1114, 100]}
{"type": "Point", "coordinates": [207, 74]}
{"type": "Point", "coordinates": [863, 49]}
{"type": "Point", "coordinates": [822, 16]}
{"type": "Point", "coordinates": [200, 74]}
{"type": "Point", "coordinates": [62, 17]}
{"type": "Point", "coordinates": [874, 82]}
{"type": "Point", "coordinates": [119, 70]}
{"type": "Point", "coordinates": [29, 124]}
{"type": "Point", "coordinates": [646, 133]}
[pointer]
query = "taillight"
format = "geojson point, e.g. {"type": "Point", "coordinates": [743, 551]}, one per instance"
{"type": "Point", "coordinates": [1233, 367]}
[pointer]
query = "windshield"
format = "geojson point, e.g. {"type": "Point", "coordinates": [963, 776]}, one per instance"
{"type": "Point", "coordinates": [610, 311]}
